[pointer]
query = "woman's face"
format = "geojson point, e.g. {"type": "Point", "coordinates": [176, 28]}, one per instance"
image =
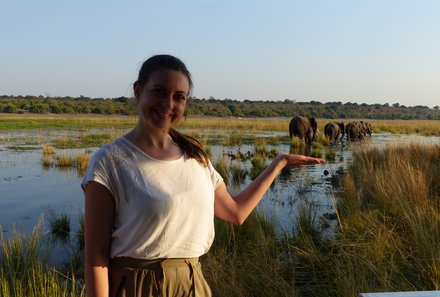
{"type": "Point", "coordinates": [163, 99]}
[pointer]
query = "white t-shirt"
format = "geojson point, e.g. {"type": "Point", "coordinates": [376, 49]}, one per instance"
{"type": "Point", "coordinates": [163, 209]}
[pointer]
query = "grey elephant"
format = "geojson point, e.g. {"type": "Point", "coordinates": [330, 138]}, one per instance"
{"type": "Point", "coordinates": [333, 130]}
{"type": "Point", "coordinates": [304, 128]}
{"type": "Point", "coordinates": [354, 131]}
{"type": "Point", "coordinates": [369, 128]}
{"type": "Point", "coordinates": [366, 128]}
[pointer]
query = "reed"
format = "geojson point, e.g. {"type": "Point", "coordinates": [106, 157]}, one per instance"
{"type": "Point", "coordinates": [330, 155]}
{"type": "Point", "coordinates": [222, 167]}
{"type": "Point", "coordinates": [59, 225]}
{"type": "Point", "coordinates": [238, 173]}
{"type": "Point", "coordinates": [247, 260]}
{"type": "Point", "coordinates": [81, 160]}
{"type": "Point", "coordinates": [47, 161]}
{"type": "Point", "coordinates": [323, 140]}
{"type": "Point", "coordinates": [296, 142]}
{"type": "Point", "coordinates": [87, 140]}
{"type": "Point", "coordinates": [316, 152]}
{"type": "Point", "coordinates": [19, 253]}
{"type": "Point", "coordinates": [234, 138]}
{"type": "Point", "coordinates": [259, 163]}
{"type": "Point", "coordinates": [274, 140]}
{"type": "Point", "coordinates": [260, 148]}
{"type": "Point", "coordinates": [64, 160]}
{"type": "Point", "coordinates": [273, 153]}
{"type": "Point", "coordinates": [24, 271]}
{"type": "Point", "coordinates": [389, 227]}
{"type": "Point", "coordinates": [48, 149]}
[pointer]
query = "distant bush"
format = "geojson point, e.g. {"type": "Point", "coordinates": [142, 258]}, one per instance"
{"type": "Point", "coordinates": [222, 108]}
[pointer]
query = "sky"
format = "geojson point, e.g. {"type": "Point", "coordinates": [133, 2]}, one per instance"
{"type": "Point", "coordinates": [359, 51]}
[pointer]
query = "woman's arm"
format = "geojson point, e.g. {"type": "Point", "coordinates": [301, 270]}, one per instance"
{"type": "Point", "coordinates": [237, 209]}
{"type": "Point", "coordinates": [98, 222]}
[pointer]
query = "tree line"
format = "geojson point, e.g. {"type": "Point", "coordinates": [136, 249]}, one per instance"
{"type": "Point", "coordinates": [220, 108]}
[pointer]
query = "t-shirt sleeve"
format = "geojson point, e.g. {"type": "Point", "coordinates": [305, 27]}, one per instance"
{"type": "Point", "coordinates": [216, 178]}
{"type": "Point", "coordinates": [98, 171]}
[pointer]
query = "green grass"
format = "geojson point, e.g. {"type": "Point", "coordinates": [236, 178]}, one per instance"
{"type": "Point", "coordinates": [22, 148]}
{"type": "Point", "coordinates": [222, 167]}
{"type": "Point", "coordinates": [59, 225]}
{"type": "Point", "coordinates": [24, 271]}
{"type": "Point", "coordinates": [387, 238]}
{"type": "Point", "coordinates": [84, 141]}
{"type": "Point", "coordinates": [44, 122]}
{"type": "Point", "coordinates": [79, 160]}
{"type": "Point", "coordinates": [330, 155]}
{"type": "Point", "coordinates": [259, 163]}
{"type": "Point", "coordinates": [238, 173]}
{"type": "Point", "coordinates": [389, 229]}
{"type": "Point", "coordinates": [48, 150]}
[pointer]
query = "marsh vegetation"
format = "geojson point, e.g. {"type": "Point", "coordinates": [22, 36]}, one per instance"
{"type": "Point", "coordinates": [382, 233]}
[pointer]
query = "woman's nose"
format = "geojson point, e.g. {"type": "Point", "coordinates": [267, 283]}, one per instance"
{"type": "Point", "coordinates": [167, 100]}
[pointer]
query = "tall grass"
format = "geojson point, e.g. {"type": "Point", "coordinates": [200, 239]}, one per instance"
{"type": "Point", "coordinates": [247, 260]}
{"type": "Point", "coordinates": [259, 163]}
{"type": "Point", "coordinates": [387, 238]}
{"type": "Point", "coordinates": [87, 140]}
{"type": "Point", "coordinates": [389, 230]}
{"type": "Point", "coordinates": [222, 167]}
{"type": "Point", "coordinates": [59, 225]}
{"type": "Point", "coordinates": [24, 272]}
{"type": "Point", "coordinates": [48, 149]}
{"type": "Point", "coordinates": [238, 173]}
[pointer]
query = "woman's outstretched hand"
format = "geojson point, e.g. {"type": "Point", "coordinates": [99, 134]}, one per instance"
{"type": "Point", "coordinates": [298, 160]}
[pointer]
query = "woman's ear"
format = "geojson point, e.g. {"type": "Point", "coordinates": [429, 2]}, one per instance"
{"type": "Point", "coordinates": [136, 91]}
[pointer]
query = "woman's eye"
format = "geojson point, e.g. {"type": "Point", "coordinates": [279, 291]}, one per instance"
{"type": "Point", "coordinates": [158, 91]}
{"type": "Point", "coordinates": [180, 97]}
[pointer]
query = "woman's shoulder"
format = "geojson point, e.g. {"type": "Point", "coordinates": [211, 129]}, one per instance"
{"type": "Point", "coordinates": [112, 149]}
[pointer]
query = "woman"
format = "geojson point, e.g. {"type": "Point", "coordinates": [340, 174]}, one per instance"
{"type": "Point", "coordinates": [151, 196]}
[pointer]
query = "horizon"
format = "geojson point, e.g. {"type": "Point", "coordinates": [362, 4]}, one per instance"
{"type": "Point", "coordinates": [371, 52]}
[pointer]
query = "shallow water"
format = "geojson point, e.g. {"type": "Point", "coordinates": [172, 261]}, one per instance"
{"type": "Point", "coordinates": [29, 190]}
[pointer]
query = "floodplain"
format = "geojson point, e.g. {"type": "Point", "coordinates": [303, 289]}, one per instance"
{"type": "Point", "coordinates": [364, 221]}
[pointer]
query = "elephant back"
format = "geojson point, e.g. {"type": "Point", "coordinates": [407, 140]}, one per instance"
{"type": "Point", "coordinates": [332, 130]}
{"type": "Point", "coordinates": [303, 127]}
{"type": "Point", "coordinates": [353, 130]}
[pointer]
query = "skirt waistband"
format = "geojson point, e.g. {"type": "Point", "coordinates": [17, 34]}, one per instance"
{"type": "Point", "coordinates": [127, 262]}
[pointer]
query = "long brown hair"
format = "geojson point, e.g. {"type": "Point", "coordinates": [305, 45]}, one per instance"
{"type": "Point", "coordinates": [191, 146]}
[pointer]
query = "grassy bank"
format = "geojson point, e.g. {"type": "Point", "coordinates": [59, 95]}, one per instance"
{"type": "Point", "coordinates": [26, 121]}
{"type": "Point", "coordinates": [387, 238]}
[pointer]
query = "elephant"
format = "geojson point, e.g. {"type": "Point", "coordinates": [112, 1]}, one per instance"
{"type": "Point", "coordinates": [333, 130]}
{"type": "Point", "coordinates": [353, 130]}
{"type": "Point", "coordinates": [303, 127]}
{"type": "Point", "coordinates": [369, 128]}
{"type": "Point", "coordinates": [366, 128]}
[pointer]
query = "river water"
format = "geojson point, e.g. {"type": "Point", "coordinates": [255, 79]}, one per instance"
{"type": "Point", "coordinates": [30, 191]}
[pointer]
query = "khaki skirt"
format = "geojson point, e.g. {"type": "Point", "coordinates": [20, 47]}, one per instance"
{"type": "Point", "coordinates": [163, 277]}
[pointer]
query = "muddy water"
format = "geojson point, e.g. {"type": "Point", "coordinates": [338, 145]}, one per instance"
{"type": "Point", "coordinates": [30, 191]}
